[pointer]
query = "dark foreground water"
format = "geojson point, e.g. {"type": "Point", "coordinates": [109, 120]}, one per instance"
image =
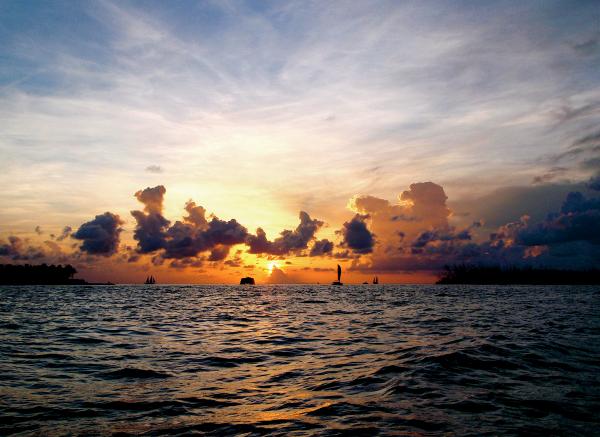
{"type": "Point", "coordinates": [300, 360]}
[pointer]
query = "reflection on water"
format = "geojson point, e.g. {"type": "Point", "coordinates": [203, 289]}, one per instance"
{"type": "Point", "coordinates": [422, 360]}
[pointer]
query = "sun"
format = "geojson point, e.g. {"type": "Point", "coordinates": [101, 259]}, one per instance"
{"type": "Point", "coordinates": [272, 265]}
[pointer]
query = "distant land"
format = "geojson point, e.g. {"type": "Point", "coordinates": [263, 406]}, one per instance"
{"type": "Point", "coordinates": [468, 274]}
{"type": "Point", "coordinates": [42, 274]}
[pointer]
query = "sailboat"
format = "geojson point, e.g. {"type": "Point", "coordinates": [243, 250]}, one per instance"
{"type": "Point", "coordinates": [150, 280]}
{"type": "Point", "coordinates": [339, 272]}
{"type": "Point", "coordinates": [375, 280]}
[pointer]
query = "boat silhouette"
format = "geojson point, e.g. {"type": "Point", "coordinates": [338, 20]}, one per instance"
{"type": "Point", "coordinates": [150, 280]}
{"type": "Point", "coordinates": [339, 272]}
{"type": "Point", "coordinates": [376, 280]}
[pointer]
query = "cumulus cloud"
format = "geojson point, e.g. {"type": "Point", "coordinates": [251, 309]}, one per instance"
{"type": "Point", "coordinates": [578, 220]}
{"type": "Point", "coordinates": [568, 238]}
{"type": "Point", "coordinates": [150, 231]}
{"type": "Point", "coordinates": [356, 235]}
{"type": "Point", "coordinates": [100, 236]}
{"type": "Point", "coordinates": [289, 241]}
{"type": "Point", "coordinates": [187, 237]}
{"type": "Point", "coordinates": [152, 198]}
{"type": "Point", "coordinates": [321, 248]}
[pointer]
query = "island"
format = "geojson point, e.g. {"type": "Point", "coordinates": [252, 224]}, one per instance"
{"type": "Point", "coordinates": [498, 275]}
{"type": "Point", "coordinates": [42, 274]}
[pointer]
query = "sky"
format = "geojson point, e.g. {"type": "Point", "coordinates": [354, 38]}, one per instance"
{"type": "Point", "coordinates": [392, 138]}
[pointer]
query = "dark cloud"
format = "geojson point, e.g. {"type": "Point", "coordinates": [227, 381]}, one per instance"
{"type": "Point", "coordinates": [594, 183]}
{"type": "Point", "coordinates": [65, 233]}
{"type": "Point", "coordinates": [507, 204]}
{"type": "Point", "coordinates": [152, 198]}
{"type": "Point", "coordinates": [289, 241]}
{"type": "Point", "coordinates": [101, 235]}
{"type": "Point", "coordinates": [186, 238]}
{"type": "Point", "coordinates": [576, 202]}
{"type": "Point", "coordinates": [196, 214]}
{"type": "Point", "coordinates": [154, 169]}
{"type": "Point", "coordinates": [150, 231]}
{"type": "Point", "coordinates": [321, 248]}
{"type": "Point", "coordinates": [569, 238]}
{"type": "Point", "coordinates": [18, 249]}
{"type": "Point", "coordinates": [219, 253]}
{"type": "Point", "coordinates": [356, 235]}
{"type": "Point", "coordinates": [428, 237]}
{"type": "Point", "coordinates": [184, 263]}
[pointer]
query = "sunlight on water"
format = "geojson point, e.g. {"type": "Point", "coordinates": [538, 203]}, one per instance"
{"type": "Point", "coordinates": [299, 360]}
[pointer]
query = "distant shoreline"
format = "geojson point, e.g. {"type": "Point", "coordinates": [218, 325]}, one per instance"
{"type": "Point", "coordinates": [512, 275]}
{"type": "Point", "coordinates": [42, 274]}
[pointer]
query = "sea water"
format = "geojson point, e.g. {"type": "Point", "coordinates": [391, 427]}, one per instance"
{"type": "Point", "coordinates": [299, 360]}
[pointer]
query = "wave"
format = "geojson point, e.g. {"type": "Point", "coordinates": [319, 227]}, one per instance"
{"type": "Point", "coordinates": [135, 373]}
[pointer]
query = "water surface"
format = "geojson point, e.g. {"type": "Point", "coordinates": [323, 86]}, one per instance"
{"type": "Point", "coordinates": [300, 360]}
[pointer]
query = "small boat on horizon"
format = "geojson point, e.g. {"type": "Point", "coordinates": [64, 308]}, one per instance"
{"type": "Point", "coordinates": [150, 280]}
{"type": "Point", "coordinates": [339, 276]}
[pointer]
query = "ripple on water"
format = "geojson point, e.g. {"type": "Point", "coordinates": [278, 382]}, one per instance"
{"type": "Point", "coordinates": [299, 360]}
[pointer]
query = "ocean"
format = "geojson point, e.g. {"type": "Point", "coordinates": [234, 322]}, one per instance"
{"type": "Point", "coordinates": [300, 360]}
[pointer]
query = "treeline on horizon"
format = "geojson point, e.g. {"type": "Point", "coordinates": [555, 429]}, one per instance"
{"type": "Point", "coordinates": [477, 274]}
{"type": "Point", "coordinates": [42, 274]}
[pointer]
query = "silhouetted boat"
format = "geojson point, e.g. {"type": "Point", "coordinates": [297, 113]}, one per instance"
{"type": "Point", "coordinates": [247, 281]}
{"type": "Point", "coordinates": [150, 280]}
{"type": "Point", "coordinates": [375, 280]}
{"type": "Point", "coordinates": [338, 282]}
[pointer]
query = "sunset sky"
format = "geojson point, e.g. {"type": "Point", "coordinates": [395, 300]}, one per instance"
{"type": "Point", "coordinates": [389, 137]}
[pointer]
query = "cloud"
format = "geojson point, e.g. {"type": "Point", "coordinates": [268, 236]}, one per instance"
{"type": "Point", "coordinates": [154, 169]}
{"type": "Point", "coordinates": [18, 249]}
{"type": "Point", "coordinates": [187, 237]}
{"type": "Point", "coordinates": [569, 238]}
{"type": "Point", "coordinates": [101, 235]}
{"type": "Point", "coordinates": [150, 231]}
{"type": "Point", "coordinates": [550, 175]}
{"type": "Point", "coordinates": [278, 276]}
{"type": "Point", "coordinates": [152, 198]}
{"type": "Point", "coordinates": [289, 241]}
{"type": "Point", "coordinates": [321, 248]}
{"type": "Point", "coordinates": [588, 47]}
{"type": "Point", "coordinates": [219, 253]}
{"type": "Point", "coordinates": [65, 233]}
{"type": "Point", "coordinates": [594, 183]}
{"type": "Point", "coordinates": [356, 235]}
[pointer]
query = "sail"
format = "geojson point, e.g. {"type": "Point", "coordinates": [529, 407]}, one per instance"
{"type": "Point", "coordinates": [339, 273]}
